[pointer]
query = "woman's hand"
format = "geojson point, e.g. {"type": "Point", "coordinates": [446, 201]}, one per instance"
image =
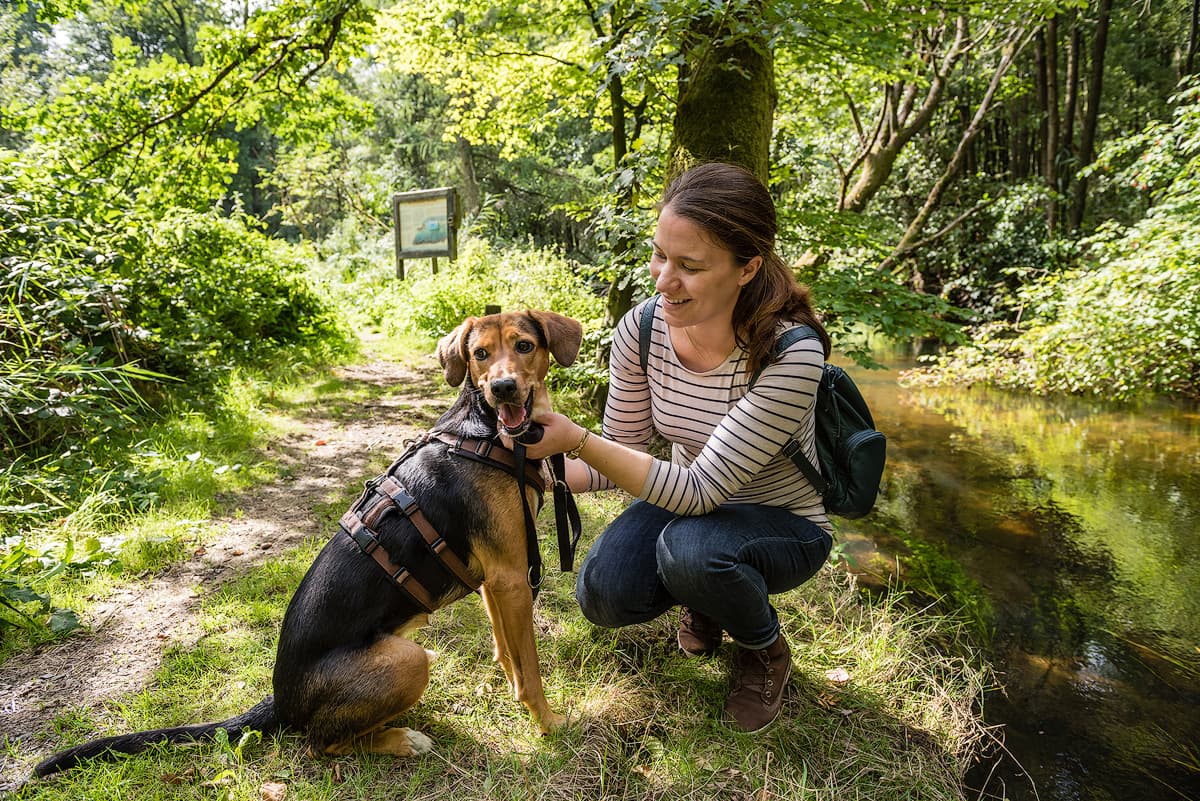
{"type": "Point", "coordinates": [559, 435]}
{"type": "Point", "coordinates": [623, 466]}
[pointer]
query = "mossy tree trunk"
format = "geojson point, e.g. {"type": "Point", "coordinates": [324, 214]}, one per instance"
{"type": "Point", "coordinates": [727, 97]}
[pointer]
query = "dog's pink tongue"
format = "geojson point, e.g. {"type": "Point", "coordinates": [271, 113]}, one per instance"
{"type": "Point", "coordinates": [511, 416]}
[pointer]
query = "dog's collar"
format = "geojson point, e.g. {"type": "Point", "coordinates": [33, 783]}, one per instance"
{"type": "Point", "coordinates": [488, 451]}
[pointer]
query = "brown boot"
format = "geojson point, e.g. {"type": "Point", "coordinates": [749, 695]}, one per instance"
{"type": "Point", "coordinates": [758, 686]}
{"type": "Point", "coordinates": [699, 634]}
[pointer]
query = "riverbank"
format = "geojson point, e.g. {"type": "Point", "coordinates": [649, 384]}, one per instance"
{"type": "Point", "coordinates": [882, 704]}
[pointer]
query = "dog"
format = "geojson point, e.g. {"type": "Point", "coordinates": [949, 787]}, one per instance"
{"type": "Point", "coordinates": [441, 520]}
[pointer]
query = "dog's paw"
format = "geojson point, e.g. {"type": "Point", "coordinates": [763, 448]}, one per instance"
{"type": "Point", "coordinates": [551, 721]}
{"type": "Point", "coordinates": [431, 655]}
{"type": "Point", "coordinates": [419, 743]}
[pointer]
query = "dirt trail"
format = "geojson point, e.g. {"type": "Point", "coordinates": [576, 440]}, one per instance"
{"type": "Point", "coordinates": [329, 450]}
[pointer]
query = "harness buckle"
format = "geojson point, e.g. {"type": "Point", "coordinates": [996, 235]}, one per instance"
{"type": "Point", "coordinates": [363, 537]}
{"type": "Point", "coordinates": [483, 448]}
{"type": "Point", "coordinates": [398, 495]}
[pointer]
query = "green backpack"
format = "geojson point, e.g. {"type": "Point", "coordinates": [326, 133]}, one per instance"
{"type": "Point", "coordinates": [851, 453]}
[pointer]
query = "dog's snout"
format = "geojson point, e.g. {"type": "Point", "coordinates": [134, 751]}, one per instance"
{"type": "Point", "coordinates": [504, 389]}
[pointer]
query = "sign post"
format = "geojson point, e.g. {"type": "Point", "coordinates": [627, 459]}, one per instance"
{"type": "Point", "coordinates": [426, 225]}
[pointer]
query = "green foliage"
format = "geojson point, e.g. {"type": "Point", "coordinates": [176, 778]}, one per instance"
{"type": "Point", "coordinates": [516, 278]}
{"type": "Point", "coordinates": [1128, 323]}
{"type": "Point", "coordinates": [858, 301]}
{"type": "Point", "coordinates": [24, 570]}
{"type": "Point", "coordinates": [69, 353]}
{"type": "Point", "coordinates": [213, 292]}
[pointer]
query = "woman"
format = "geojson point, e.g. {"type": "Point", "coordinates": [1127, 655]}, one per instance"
{"type": "Point", "coordinates": [729, 520]}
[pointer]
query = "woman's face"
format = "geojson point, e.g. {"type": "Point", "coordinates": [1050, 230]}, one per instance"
{"type": "Point", "coordinates": [698, 278]}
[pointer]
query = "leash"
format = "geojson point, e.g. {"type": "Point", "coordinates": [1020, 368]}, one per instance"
{"type": "Point", "coordinates": [566, 513]}
{"type": "Point", "coordinates": [532, 548]}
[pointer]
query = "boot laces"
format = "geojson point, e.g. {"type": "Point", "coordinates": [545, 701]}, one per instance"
{"type": "Point", "coordinates": [756, 673]}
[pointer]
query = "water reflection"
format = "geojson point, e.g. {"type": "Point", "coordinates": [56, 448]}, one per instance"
{"type": "Point", "coordinates": [1068, 530]}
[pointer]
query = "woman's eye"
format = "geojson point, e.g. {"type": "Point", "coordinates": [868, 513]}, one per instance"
{"type": "Point", "coordinates": [480, 354]}
{"type": "Point", "coordinates": [524, 346]}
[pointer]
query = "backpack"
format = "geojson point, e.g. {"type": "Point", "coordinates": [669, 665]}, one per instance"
{"type": "Point", "coordinates": [851, 453]}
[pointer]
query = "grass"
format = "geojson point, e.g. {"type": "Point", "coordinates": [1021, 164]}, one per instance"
{"type": "Point", "coordinates": [897, 723]}
{"type": "Point", "coordinates": [882, 705]}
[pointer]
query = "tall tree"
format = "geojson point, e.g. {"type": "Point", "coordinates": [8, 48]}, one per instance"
{"type": "Point", "coordinates": [1050, 146]}
{"type": "Point", "coordinates": [912, 237]}
{"type": "Point", "coordinates": [1087, 133]}
{"type": "Point", "coordinates": [1190, 65]}
{"type": "Point", "coordinates": [726, 102]}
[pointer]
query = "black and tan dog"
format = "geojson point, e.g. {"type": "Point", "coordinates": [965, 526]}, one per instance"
{"type": "Point", "coordinates": [420, 533]}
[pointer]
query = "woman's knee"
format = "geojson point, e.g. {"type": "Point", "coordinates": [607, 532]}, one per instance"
{"type": "Point", "coordinates": [591, 599]}
{"type": "Point", "coordinates": [687, 559]}
{"type": "Point", "coordinates": [606, 597]}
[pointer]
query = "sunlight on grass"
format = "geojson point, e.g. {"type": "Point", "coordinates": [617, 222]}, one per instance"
{"type": "Point", "coordinates": [643, 716]}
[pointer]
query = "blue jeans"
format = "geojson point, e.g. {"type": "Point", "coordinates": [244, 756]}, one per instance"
{"type": "Point", "coordinates": [724, 564]}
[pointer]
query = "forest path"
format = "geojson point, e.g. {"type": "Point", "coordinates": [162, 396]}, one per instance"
{"type": "Point", "coordinates": [332, 446]}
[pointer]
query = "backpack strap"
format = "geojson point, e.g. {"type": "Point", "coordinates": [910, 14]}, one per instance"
{"type": "Point", "coordinates": [792, 448]}
{"type": "Point", "coordinates": [786, 340]}
{"type": "Point", "coordinates": [645, 329]}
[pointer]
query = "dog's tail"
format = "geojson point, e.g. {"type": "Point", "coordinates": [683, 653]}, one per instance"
{"type": "Point", "coordinates": [260, 717]}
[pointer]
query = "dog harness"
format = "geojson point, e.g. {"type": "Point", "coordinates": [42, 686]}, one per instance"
{"type": "Point", "coordinates": [385, 493]}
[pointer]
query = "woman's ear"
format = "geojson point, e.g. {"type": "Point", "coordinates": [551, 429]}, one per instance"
{"type": "Point", "coordinates": [749, 270]}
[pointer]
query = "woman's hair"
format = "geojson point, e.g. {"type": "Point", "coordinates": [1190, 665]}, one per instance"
{"type": "Point", "coordinates": [732, 206]}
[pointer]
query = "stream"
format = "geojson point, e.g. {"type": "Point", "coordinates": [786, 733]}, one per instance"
{"type": "Point", "coordinates": [1068, 533]}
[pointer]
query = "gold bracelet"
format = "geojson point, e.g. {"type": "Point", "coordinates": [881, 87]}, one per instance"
{"type": "Point", "coordinates": [574, 452]}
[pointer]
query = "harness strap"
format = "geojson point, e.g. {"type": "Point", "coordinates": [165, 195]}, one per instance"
{"type": "Point", "coordinates": [368, 543]}
{"type": "Point", "coordinates": [490, 452]}
{"type": "Point", "coordinates": [392, 489]}
{"type": "Point", "coordinates": [389, 494]}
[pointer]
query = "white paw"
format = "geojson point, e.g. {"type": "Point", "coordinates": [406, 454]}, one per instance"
{"type": "Point", "coordinates": [431, 655]}
{"type": "Point", "coordinates": [419, 742]}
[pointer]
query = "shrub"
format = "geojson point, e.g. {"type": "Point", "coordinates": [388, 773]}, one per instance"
{"type": "Point", "coordinates": [1128, 323]}
{"type": "Point", "coordinates": [517, 278]}
{"type": "Point", "coordinates": [213, 292]}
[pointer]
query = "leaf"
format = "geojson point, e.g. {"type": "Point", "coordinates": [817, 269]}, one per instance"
{"type": "Point", "coordinates": [273, 791]}
{"type": "Point", "coordinates": [838, 675]}
{"type": "Point", "coordinates": [63, 621]}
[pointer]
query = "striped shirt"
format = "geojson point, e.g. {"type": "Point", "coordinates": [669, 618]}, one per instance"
{"type": "Point", "coordinates": [725, 441]}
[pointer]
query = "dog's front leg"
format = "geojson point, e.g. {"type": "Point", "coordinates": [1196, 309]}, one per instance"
{"type": "Point", "coordinates": [509, 604]}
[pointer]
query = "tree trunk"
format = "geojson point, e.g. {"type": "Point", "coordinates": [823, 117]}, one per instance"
{"type": "Point", "coordinates": [1018, 137]}
{"type": "Point", "coordinates": [1050, 145]}
{"type": "Point", "coordinates": [608, 24]}
{"type": "Point", "coordinates": [1074, 45]}
{"type": "Point", "coordinates": [1190, 64]}
{"type": "Point", "coordinates": [726, 104]}
{"type": "Point", "coordinates": [471, 199]}
{"type": "Point", "coordinates": [1087, 136]}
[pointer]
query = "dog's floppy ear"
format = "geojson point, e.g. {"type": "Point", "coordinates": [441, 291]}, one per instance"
{"type": "Point", "coordinates": [452, 352]}
{"type": "Point", "coordinates": [562, 333]}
